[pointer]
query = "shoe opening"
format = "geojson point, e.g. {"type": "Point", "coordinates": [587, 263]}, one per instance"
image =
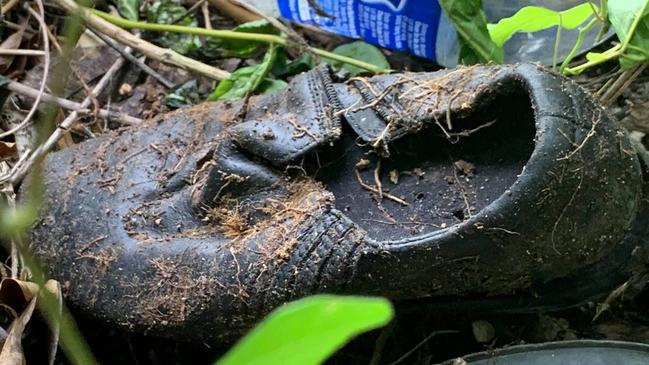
{"type": "Point", "coordinates": [432, 180]}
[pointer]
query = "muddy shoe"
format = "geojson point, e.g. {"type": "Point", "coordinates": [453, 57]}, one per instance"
{"type": "Point", "coordinates": [500, 188]}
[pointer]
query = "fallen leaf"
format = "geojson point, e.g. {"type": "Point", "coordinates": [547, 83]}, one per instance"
{"type": "Point", "coordinates": [21, 296]}
{"type": "Point", "coordinates": [12, 351]}
{"type": "Point", "coordinates": [7, 150]}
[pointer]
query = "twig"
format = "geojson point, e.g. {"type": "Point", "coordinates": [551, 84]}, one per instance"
{"type": "Point", "coordinates": [380, 343]}
{"type": "Point", "coordinates": [234, 11]}
{"type": "Point", "coordinates": [377, 178]}
{"type": "Point", "coordinates": [303, 45]}
{"type": "Point", "coordinates": [27, 91]}
{"type": "Point", "coordinates": [21, 171]}
{"type": "Point", "coordinates": [420, 344]}
{"type": "Point", "coordinates": [148, 70]}
{"type": "Point", "coordinates": [8, 6]}
{"type": "Point", "coordinates": [161, 54]}
{"type": "Point", "coordinates": [375, 191]}
{"type": "Point", "coordinates": [225, 34]}
{"type": "Point", "coordinates": [46, 70]}
{"type": "Point", "coordinates": [21, 52]}
{"type": "Point", "coordinates": [205, 9]}
{"type": "Point", "coordinates": [621, 83]}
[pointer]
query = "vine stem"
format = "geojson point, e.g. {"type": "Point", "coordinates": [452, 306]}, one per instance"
{"type": "Point", "coordinates": [228, 34]}
{"type": "Point", "coordinates": [616, 51]}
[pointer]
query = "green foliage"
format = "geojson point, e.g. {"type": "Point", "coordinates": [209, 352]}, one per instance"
{"type": "Point", "coordinates": [167, 12]}
{"type": "Point", "coordinates": [185, 95]}
{"type": "Point", "coordinates": [239, 47]}
{"type": "Point", "coordinates": [129, 9]}
{"type": "Point", "coordinates": [630, 19]}
{"type": "Point", "coordinates": [284, 67]}
{"type": "Point", "coordinates": [308, 331]}
{"type": "Point", "coordinates": [470, 22]}
{"type": "Point", "coordinates": [360, 51]}
{"type": "Point", "coordinates": [535, 18]}
{"type": "Point", "coordinates": [248, 79]}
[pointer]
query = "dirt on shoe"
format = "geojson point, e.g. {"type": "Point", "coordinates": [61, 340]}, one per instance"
{"type": "Point", "coordinates": [466, 185]}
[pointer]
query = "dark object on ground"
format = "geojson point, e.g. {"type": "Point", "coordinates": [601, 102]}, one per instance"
{"type": "Point", "coordinates": [584, 352]}
{"type": "Point", "coordinates": [508, 189]}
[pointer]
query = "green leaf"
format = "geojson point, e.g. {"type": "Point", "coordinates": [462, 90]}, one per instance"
{"type": "Point", "coordinates": [361, 51]}
{"type": "Point", "coordinates": [471, 24]}
{"type": "Point", "coordinates": [268, 86]}
{"type": "Point", "coordinates": [129, 9]}
{"type": "Point", "coordinates": [284, 68]}
{"type": "Point", "coordinates": [217, 47]}
{"type": "Point", "coordinates": [534, 18]}
{"type": "Point", "coordinates": [246, 79]}
{"type": "Point", "coordinates": [308, 331]}
{"type": "Point", "coordinates": [622, 15]}
{"type": "Point", "coordinates": [167, 12]}
{"type": "Point", "coordinates": [185, 95]}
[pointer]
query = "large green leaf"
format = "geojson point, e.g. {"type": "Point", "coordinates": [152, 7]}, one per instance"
{"type": "Point", "coordinates": [239, 47]}
{"type": "Point", "coordinates": [129, 9]}
{"type": "Point", "coordinates": [471, 24]}
{"type": "Point", "coordinates": [308, 331]}
{"type": "Point", "coordinates": [622, 15]}
{"type": "Point", "coordinates": [167, 12]}
{"type": "Point", "coordinates": [534, 18]}
{"type": "Point", "coordinates": [363, 52]}
{"type": "Point", "coordinates": [246, 79]}
{"type": "Point", "coordinates": [283, 67]}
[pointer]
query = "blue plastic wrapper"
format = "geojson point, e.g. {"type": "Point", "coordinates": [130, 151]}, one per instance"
{"type": "Point", "coordinates": [400, 25]}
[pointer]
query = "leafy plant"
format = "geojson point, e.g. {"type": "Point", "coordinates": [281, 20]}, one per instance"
{"type": "Point", "coordinates": [129, 9]}
{"type": "Point", "coordinates": [184, 95]}
{"type": "Point", "coordinates": [360, 51]}
{"type": "Point", "coordinates": [246, 80]}
{"type": "Point", "coordinates": [167, 12]}
{"type": "Point", "coordinates": [534, 18]}
{"type": "Point", "coordinates": [284, 67]}
{"type": "Point", "coordinates": [239, 47]}
{"type": "Point", "coordinates": [476, 46]}
{"type": "Point", "coordinates": [630, 20]}
{"type": "Point", "coordinates": [308, 331]}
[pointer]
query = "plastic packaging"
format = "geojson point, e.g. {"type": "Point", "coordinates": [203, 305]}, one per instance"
{"type": "Point", "coordinates": [421, 28]}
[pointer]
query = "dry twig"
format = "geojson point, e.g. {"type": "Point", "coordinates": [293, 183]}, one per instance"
{"type": "Point", "coordinates": [46, 69]}
{"type": "Point", "coordinates": [164, 55]}
{"type": "Point", "coordinates": [20, 170]}
{"type": "Point", "coordinates": [143, 66]}
{"type": "Point", "coordinates": [27, 91]}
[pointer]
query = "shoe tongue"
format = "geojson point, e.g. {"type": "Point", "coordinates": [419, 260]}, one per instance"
{"type": "Point", "coordinates": [385, 108]}
{"type": "Point", "coordinates": [369, 112]}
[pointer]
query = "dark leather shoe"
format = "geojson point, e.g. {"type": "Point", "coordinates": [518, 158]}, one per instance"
{"type": "Point", "coordinates": [501, 188]}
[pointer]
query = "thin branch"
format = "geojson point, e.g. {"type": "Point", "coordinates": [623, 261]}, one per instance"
{"type": "Point", "coordinates": [46, 69]}
{"type": "Point", "coordinates": [225, 34]}
{"type": "Point", "coordinates": [132, 59]}
{"type": "Point", "coordinates": [21, 52]}
{"type": "Point", "coordinates": [8, 6]}
{"type": "Point", "coordinates": [164, 55]}
{"type": "Point", "coordinates": [27, 91]}
{"type": "Point", "coordinates": [623, 81]}
{"type": "Point", "coordinates": [205, 9]}
{"type": "Point", "coordinates": [20, 171]}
